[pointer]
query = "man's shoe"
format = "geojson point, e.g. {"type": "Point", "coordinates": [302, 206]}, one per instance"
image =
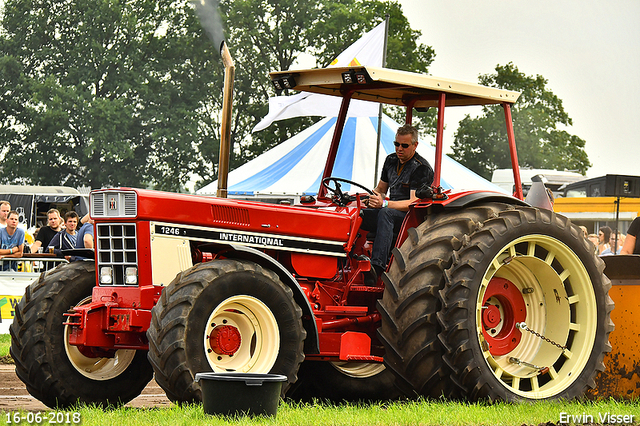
{"type": "Point", "coordinates": [371, 277]}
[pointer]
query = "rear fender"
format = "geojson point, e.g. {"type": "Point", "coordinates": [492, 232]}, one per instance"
{"type": "Point", "coordinates": [464, 199]}
{"type": "Point", "coordinates": [311, 343]}
{"type": "Point", "coordinates": [419, 210]}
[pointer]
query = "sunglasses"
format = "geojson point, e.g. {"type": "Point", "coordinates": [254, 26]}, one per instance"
{"type": "Point", "coordinates": [404, 145]}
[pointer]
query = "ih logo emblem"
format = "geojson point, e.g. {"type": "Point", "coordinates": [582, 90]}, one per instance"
{"type": "Point", "coordinates": [112, 203]}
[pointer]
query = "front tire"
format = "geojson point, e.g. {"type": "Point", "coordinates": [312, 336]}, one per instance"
{"type": "Point", "coordinates": [54, 371]}
{"type": "Point", "coordinates": [534, 267]}
{"type": "Point", "coordinates": [220, 316]}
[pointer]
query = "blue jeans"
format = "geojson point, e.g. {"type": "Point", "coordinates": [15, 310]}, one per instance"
{"type": "Point", "coordinates": [384, 222]}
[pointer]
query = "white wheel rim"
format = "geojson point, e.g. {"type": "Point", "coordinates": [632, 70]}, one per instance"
{"type": "Point", "coordinates": [257, 328]}
{"type": "Point", "coordinates": [98, 368]}
{"type": "Point", "coordinates": [559, 305]}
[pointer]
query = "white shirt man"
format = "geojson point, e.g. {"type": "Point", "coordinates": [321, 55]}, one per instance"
{"type": "Point", "coordinates": [5, 208]}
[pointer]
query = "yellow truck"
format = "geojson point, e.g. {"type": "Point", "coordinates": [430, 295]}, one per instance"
{"type": "Point", "coordinates": [594, 212]}
{"type": "Point", "coordinates": [613, 200]}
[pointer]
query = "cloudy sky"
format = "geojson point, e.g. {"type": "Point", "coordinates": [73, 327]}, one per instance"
{"type": "Point", "coordinates": [589, 51]}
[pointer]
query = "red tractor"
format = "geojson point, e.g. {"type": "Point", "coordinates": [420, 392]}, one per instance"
{"type": "Point", "coordinates": [486, 296]}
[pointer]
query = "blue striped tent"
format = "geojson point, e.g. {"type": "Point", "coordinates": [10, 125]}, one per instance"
{"type": "Point", "coordinates": [295, 167]}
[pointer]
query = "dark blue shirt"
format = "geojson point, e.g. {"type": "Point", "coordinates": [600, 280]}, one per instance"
{"type": "Point", "coordinates": [63, 240]}
{"type": "Point", "coordinates": [402, 178]}
{"type": "Point", "coordinates": [87, 228]}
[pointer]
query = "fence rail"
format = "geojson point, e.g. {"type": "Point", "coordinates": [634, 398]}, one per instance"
{"type": "Point", "coordinates": [33, 263]}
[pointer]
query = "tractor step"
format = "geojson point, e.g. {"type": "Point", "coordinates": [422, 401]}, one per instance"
{"type": "Point", "coordinates": [365, 358]}
{"type": "Point", "coordinates": [346, 310]}
{"type": "Point", "coordinates": [366, 289]}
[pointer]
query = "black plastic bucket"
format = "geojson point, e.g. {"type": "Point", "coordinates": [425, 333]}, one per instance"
{"type": "Point", "coordinates": [231, 394]}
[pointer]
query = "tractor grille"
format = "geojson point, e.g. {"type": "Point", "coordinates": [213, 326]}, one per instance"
{"type": "Point", "coordinates": [116, 248]}
{"type": "Point", "coordinates": [112, 204]}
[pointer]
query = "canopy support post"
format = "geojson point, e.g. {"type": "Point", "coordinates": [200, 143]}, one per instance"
{"type": "Point", "coordinates": [335, 142]}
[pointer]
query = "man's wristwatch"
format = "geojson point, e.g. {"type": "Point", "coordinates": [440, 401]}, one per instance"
{"type": "Point", "coordinates": [385, 203]}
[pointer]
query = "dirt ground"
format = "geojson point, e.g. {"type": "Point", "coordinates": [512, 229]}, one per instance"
{"type": "Point", "coordinates": [14, 395]}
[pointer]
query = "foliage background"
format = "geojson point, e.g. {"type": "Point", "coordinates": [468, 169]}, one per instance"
{"type": "Point", "coordinates": [128, 93]}
{"type": "Point", "coordinates": [538, 116]}
{"type": "Point", "coordinates": [121, 92]}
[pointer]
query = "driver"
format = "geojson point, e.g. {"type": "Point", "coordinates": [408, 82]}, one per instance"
{"type": "Point", "coordinates": [403, 172]}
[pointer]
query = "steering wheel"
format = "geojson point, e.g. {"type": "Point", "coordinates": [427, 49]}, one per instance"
{"type": "Point", "coordinates": [339, 197]}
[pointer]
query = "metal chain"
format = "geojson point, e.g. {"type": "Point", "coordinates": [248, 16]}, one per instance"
{"type": "Point", "coordinates": [518, 361]}
{"type": "Point", "coordinates": [523, 326]}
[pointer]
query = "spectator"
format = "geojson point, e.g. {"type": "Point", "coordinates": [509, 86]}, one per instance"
{"type": "Point", "coordinates": [594, 239]}
{"type": "Point", "coordinates": [85, 233]}
{"type": "Point", "coordinates": [11, 241]}
{"type": "Point", "coordinates": [584, 231]}
{"type": "Point", "coordinates": [612, 243]}
{"type": "Point", "coordinates": [5, 208]}
{"type": "Point", "coordinates": [84, 238]}
{"type": "Point", "coordinates": [621, 238]}
{"type": "Point", "coordinates": [46, 233]}
{"type": "Point", "coordinates": [66, 239]}
{"type": "Point", "coordinates": [604, 234]}
{"type": "Point", "coordinates": [632, 242]}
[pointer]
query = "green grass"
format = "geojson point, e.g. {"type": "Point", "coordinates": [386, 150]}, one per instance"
{"type": "Point", "coordinates": [397, 413]}
{"type": "Point", "coordinates": [5, 342]}
{"type": "Point", "coordinates": [406, 413]}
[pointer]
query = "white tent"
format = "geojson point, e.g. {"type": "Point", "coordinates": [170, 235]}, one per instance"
{"type": "Point", "coordinates": [295, 167]}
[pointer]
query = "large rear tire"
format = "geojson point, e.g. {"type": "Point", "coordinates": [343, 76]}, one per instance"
{"type": "Point", "coordinates": [220, 316]}
{"type": "Point", "coordinates": [54, 371]}
{"type": "Point", "coordinates": [534, 267]}
{"type": "Point", "coordinates": [409, 329]}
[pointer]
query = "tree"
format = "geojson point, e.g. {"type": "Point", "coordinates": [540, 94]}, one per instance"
{"type": "Point", "coordinates": [112, 92]}
{"type": "Point", "coordinates": [128, 93]}
{"type": "Point", "coordinates": [269, 35]}
{"type": "Point", "coordinates": [481, 143]}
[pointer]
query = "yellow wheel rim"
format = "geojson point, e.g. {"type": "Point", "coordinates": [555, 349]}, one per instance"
{"type": "Point", "coordinates": [98, 368]}
{"type": "Point", "coordinates": [560, 305]}
{"type": "Point", "coordinates": [254, 331]}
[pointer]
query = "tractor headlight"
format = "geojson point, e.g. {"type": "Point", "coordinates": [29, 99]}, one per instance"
{"type": "Point", "coordinates": [131, 276]}
{"type": "Point", "coordinates": [106, 275]}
